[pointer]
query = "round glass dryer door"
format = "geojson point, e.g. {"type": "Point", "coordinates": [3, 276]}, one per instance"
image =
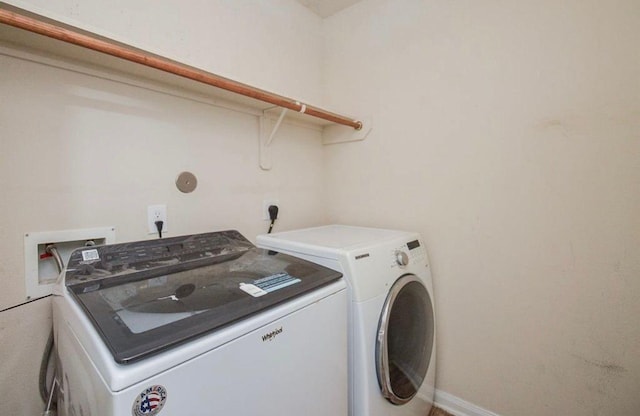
{"type": "Point", "coordinates": [405, 339]}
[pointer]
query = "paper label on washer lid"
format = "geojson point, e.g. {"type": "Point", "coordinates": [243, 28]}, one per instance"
{"type": "Point", "coordinates": [253, 290]}
{"type": "Point", "coordinates": [276, 282]}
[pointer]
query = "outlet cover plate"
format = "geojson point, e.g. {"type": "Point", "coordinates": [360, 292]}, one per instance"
{"type": "Point", "coordinates": [155, 213]}
{"type": "Point", "coordinates": [265, 207]}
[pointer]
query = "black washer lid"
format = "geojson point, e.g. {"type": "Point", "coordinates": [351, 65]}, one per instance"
{"type": "Point", "coordinates": [147, 296]}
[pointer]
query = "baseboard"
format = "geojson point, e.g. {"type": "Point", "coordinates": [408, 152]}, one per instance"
{"type": "Point", "coordinates": [458, 407]}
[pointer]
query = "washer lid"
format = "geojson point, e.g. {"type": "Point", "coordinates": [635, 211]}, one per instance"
{"type": "Point", "coordinates": [148, 296]}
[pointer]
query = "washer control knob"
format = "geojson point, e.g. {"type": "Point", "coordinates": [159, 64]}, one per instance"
{"type": "Point", "coordinates": [401, 258]}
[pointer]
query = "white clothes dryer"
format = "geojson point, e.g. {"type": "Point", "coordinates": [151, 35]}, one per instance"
{"type": "Point", "coordinates": [391, 315]}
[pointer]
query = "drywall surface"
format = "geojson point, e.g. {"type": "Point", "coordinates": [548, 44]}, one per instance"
{"type": "Point", "coordinates": [82, 150]}
{"type": "Point", "coordinates": [508, 134]}
{"type": "Point", "coordinates": [271, 44]}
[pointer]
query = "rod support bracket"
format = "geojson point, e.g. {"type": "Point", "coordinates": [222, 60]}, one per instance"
{"type": "Point", "coordinates": [334, 134]}
{"type": "Point", "coordinates": [266, 138]}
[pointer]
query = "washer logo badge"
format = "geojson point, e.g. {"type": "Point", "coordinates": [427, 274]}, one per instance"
{"type": "Point", "coordinates": [150, 401]}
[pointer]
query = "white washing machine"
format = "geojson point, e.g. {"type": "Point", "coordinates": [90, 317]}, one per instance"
{"type": "Point", "coordinates": [391, 317]}
{"type": "Point", "coordinates": [206, 324]}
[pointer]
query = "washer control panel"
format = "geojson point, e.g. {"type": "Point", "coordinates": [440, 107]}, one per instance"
{"type": "Point", "coordinates": [90, 264]}
{"type": "Point", "coordinates": [407, 253]}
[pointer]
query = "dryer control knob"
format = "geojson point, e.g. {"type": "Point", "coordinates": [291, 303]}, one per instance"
{"type": "Point", "coordinates": [401, 258]}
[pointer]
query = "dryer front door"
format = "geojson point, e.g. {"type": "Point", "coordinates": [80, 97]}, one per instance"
{"type": "Point", "coordinates": [404, 339]}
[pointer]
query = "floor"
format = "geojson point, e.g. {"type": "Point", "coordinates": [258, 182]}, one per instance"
{"type": "Point", "coordinates": [438, 412]}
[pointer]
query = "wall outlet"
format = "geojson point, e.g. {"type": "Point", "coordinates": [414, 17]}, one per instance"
{"type": "Point", "coordinates": [265, 207]}
{"type": "Point", "coordinates": [156, 213]}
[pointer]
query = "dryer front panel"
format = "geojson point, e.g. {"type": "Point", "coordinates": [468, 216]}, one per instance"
{"type": "Point", "coordinates": [405, 339]}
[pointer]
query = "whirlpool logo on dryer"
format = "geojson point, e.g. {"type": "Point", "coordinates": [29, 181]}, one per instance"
{"type": "Point", "coordinates": [271, 335]}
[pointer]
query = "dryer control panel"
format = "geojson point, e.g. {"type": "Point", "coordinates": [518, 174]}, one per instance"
{"type": "Point", "coordinates": [407, 253]}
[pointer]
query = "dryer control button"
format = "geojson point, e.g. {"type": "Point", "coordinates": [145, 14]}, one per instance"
{"type": "Point", "coordinates": [401, 258]}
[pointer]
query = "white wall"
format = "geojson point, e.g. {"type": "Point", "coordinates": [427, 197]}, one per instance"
{"type": "Point", "coordinates": [508, 134]}
{"type": "Point", "coordinates": [271, 44]}
{"type": "Point", "coordinates": [78, 151]}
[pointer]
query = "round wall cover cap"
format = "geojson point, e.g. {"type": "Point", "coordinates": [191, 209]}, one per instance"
{"type": "Point", "coordinates": [186, 182]}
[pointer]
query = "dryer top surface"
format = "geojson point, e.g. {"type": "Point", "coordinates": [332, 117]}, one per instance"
{"type": "Point", "coordinates": [333, 239]}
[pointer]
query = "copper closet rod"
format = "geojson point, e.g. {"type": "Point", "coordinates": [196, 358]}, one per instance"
{"type": "Point", "coordinates": [166, 65]}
